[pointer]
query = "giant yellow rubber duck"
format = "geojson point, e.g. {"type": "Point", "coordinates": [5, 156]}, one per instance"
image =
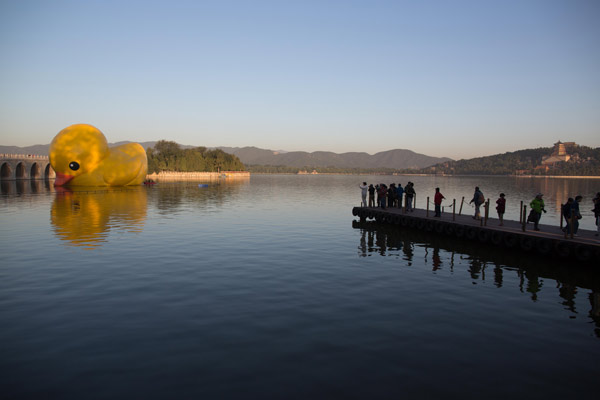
{"type": "Point", "coordinates": [80, 156]}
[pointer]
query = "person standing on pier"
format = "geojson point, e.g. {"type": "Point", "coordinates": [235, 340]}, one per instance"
{"type": "Point", "coordinates": [478, 200]}
{"type": "Point", "coordinates": [437, 200]}
{"type": "Point", "coordinates": [399, 193]}
{"type": "Point", "coordinates": [391, 195]}
{"type": "Point", "coordinates": [501, 207]}
{"type": "Point", "coordinates": [576, 213]}
{"type": "Point", "coordinates": [537, 206]}
{"type": "Point", "coordinates": [371, 195]}
{"type": "Point", "coordinates": [596, 212]}
{"type": "Point", "coordinates": [566, 212]}
{"type": "Point", "coordinates": [382, 195]}
{"type": "Point", "coordinates": [409, 190]}
{"type": "Point", "coordinates": [363, 193]}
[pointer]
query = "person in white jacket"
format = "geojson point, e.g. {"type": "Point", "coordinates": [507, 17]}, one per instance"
{"type": "Point", "coordinates": [363, 193]}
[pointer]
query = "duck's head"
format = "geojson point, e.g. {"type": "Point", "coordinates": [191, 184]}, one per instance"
{"type": "Point", "coordinates": [75, 151]}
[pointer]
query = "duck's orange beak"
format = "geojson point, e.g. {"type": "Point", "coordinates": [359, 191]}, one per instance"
{"type": "Point", "coordinates": [62, 179]}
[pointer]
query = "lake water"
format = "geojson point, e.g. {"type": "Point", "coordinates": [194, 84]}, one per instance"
{"type": "Point", "coordinates": [270, 288]}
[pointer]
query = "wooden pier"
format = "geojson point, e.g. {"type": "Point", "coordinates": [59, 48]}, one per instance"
{"type": "Point", "coordinates": [550, 240]}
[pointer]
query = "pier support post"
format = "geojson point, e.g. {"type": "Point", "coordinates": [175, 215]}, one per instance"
{"type": "Point", "coordinates": [454, 210]}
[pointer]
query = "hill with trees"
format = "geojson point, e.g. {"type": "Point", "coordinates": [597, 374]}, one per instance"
{"type": "Point", "coordinates": [584, 161]}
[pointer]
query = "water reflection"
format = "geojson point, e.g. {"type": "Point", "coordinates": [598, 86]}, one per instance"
{"type": "Point", "coordinates": [485, 262]}
{"type": "Point", "coordinates": [85, 218]}
{"type": "Point", "coordinates": [25, 186]}
{"type": "Point", "coordinates": [172, 197]}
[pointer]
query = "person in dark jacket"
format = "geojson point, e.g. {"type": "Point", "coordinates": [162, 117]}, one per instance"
{"type": "Point", "coordinates": [500, 208]}
{"type": "Point", "coordinates": [596, 212]}
{"type": "Point", "coordinates": [571, 213]}
{"type": "Point", "coordinates": [478, 200]}
{"type": "Point", "coordinates": [371, 195]}
{"type": "Point", "coordinates": [409, 191]}
{"type": "Point", "coordinates": [391, 195]}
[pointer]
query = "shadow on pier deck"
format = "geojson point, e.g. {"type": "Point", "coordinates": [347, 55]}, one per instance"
{"type": "Point", "coordinates": [549, 241]}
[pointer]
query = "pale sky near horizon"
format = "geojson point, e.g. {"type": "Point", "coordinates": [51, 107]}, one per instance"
{"type": "Point", "coordinates": [459, 79]}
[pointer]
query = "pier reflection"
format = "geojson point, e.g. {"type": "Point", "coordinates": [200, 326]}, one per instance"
{"type": "Point", "coordinates": [84, 217]}
{"type": "Point", "coordinates": [577, 287]}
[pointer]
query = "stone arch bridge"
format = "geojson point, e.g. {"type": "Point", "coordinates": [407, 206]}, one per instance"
{"type": "Point", "coordinates": [25, 166]}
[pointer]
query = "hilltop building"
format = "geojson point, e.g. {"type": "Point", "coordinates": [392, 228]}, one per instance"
{"type": "Point", "coordinates": [559, 154]}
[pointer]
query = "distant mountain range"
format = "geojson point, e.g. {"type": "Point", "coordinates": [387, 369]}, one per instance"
{"type": "Point", "coordinates": [394, 159]}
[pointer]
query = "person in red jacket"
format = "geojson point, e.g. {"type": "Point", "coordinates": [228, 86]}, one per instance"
{"type": "Point", "coordinates": [437, 200]}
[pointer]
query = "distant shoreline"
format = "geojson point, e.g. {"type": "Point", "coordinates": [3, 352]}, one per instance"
{"type": "Point", "coordinates": [196, 176]}
{"type": "Point", "coordinates": [441, 176]}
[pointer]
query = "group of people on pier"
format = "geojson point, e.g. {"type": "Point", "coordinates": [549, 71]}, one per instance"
{"type": "Point", "coordinates": [388, 196]}
{"type": "Point", "coordinates": [384, 196]}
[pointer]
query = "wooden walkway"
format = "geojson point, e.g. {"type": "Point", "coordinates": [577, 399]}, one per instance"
{"type": "Point", "coordinates": [549, 240]}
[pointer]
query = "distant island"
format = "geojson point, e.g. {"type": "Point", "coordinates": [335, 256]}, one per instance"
{"type": "Point", "coordinates": [563, 159]}
{"type": "Point", "coordinates": [169, 156]}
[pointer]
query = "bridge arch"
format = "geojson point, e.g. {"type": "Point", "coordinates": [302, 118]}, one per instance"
{"type": "Point", "coordinates": [35, 172]}
{"type": "Point", "coordinates": [20, 172]}
{"type": "Point", "coordinates": [6, 171]}
{"type": "Point", "coordinates": [49, 172]}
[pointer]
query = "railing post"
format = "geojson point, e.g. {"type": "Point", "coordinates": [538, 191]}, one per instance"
{"type": "Point", "coordinates": [521, 213]}
{"type": "Point", "coordinates": [461, 204]}
{"type": "Point", "coordinates": [454, 210]}
{"type": "Point", "coordinates": [487, 211]}
{"type": "Point", "coordinates": [524, 218]}
{"type": "Point", "coordinates": [561, 216]}
{"type": "Point", "coordinates": [571, 224]}
{"type": "Point", "coordinates": [427, 212]}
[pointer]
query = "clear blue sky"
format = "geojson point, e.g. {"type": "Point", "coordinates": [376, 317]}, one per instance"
{"type": "Point", "coordinates": [443, 78]}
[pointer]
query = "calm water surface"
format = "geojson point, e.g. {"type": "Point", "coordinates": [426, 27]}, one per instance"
{"type": "Point", "coordinates": [269, 288]}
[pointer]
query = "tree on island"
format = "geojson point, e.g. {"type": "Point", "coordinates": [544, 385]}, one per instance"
{"type": "Point", "coordinates": [169, 156]}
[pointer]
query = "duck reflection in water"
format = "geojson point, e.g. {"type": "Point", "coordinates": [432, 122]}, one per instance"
{"type": "Point", "coordinates": [85, 217]}
{"type": "Point", "coordinates": [532, 276]}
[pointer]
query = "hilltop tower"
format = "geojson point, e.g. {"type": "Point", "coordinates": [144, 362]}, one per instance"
{"type": "Point", "coordinates": [559, 153]}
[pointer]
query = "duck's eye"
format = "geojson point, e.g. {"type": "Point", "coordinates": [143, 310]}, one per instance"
{"type": "Point", "coordinates": [74, 165]}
